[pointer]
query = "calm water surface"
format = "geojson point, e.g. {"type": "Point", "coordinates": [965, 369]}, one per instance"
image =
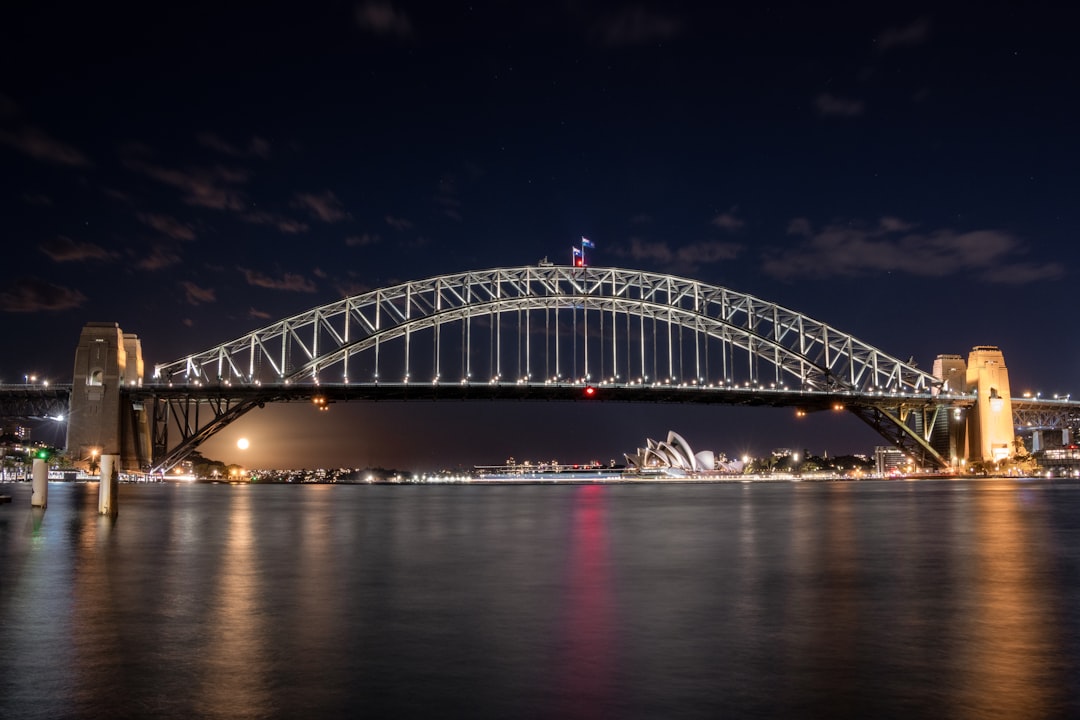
{"type": "Point", "coordinates": [930, 599]}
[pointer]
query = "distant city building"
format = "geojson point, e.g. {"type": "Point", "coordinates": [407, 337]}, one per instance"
{"type": "Point", "coordinates": [888, 459]}
{"type": "Point", "coordinates": [20, 432]}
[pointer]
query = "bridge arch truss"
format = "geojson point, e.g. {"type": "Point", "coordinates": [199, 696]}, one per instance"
{"type": "Point", "coordinates": [553, 324]}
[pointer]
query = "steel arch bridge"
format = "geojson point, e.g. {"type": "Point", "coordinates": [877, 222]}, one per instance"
{"type": "Point", "coordinates": [539, 331]}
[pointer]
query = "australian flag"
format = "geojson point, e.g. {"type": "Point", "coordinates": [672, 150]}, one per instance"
{"type": "Point", "coordinates": [587, 243]}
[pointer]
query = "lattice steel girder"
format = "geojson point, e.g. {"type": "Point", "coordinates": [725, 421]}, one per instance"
{"type": "Point", "coordinates": [890, 426]}
{"type": "Point", "coordinates": [1039, 414]}
{"type": "Point", "coordinates": [33, 402]}
{"type": "Point", "coordinates": [314, 338]}
{"type": "Point", "coordinates": [185, 413]}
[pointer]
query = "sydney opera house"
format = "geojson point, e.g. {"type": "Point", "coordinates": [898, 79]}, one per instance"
{"type": "Point", "coordinates": [676, 458]}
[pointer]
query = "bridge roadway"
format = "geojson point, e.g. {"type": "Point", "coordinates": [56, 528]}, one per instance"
{"type": "Point", "coordinates": [808, 400]}
{"type": "Point", "coordinates": [195, 411]}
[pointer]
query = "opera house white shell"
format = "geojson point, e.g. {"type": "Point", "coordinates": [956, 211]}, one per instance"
{"type": "Point", "coordinates": [674, 457]}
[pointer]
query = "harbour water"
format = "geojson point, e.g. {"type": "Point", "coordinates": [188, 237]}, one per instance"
{"type": "Point", "coordinates": [877, 599]}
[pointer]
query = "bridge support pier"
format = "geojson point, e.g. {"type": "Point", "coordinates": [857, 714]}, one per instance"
{"type": "Point", "coordinates": [39, 485]}
{"type": "Point", "coordinates": [990, 425]}
{"type": "Point", "coordinates": [109, 487]}
{"type": "Point", "coordinates": [1036, 441]}
{"type": "Point", "coordinates": [1065, 437]}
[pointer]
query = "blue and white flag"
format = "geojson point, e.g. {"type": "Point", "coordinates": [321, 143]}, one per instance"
{"type": "Point", "coordinates": [587, 243]}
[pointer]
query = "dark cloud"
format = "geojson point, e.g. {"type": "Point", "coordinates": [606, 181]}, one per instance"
{"type": "Point", "coordinates": [212, 187]}
{"type": "Point", "coordinates": [638, 25]}
{"type": "Point", "coordinates": [34, 295]}
{"type": "Point", "coordinates": [41, 146]}
{"type": "Point", "coordinates": [362, 240]}
{"type": "Point", "coordinates": [256, 147]}
{"type": "Point", "coordinates": [289, 281]}
{"type": "Point", "coordinates": [728, 221]}
{"type": "Point", "coordinates": [829, 105]}
{"type": "Point", "coordinates": [324, 206]}
{"type": "Point", "coordinates": [284, 224]}
{"type": "Point", "coordinates": [167, 225]}
{"type": "Point", "coordinates": [37, 199]}
{"type": "Point", "coordinates": [64, 249]}
{"type": "Point", "coordinates": [684, 259]}
{"type": "Point", "coordinates": [196, 295]}
{"type": "Point", "coordinates": [383, 18]}
{"type": "Point", "coordinates": [915, 33]}
{"type": "Point", "coordinates": [160, 257]}
{"type": "Point", "coordinates": [399, 224]}
{"type": "Point", "coordinates": [855, 250]}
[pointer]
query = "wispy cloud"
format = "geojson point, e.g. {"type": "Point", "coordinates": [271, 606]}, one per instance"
{"type": "Point", "coordinates": [399, 224]}
{"type": "Point", "coordinates": [915, 33]}
{"type": "Point", "coordinates": [857, 250]}
{"type": "Point", "coordinates": [684, 258]}
{"type": "Point", "coordinates": [284, 224]}
{"type": "Point", "coordinates": [728, 221]}
{"type": "Point", "coordinates": [289, 281]}
{"type": "Point", "coordinates": [829, 105]}
{"type": "Point", "coordinates": [324, 206]}
{"type": "Point", "coordinates": [352, 287]}
{"type": "Point", "coordinates": [35, 295]}
{"type": "Point", "coordinates": [638, 26]}
{"type": "Point", "coordinates": [39, 145]}
{"type": "Point", "coordinates": [167, 226]}
{"type": "Point", "coordinates": [197, 295]}
{"type": "Point", "coordinates": [160, 257]}
{"type": "Point", "coordinates": [448, 196]}
{"type": "Point", "coordinates": [212, 187]}
{"type": "Point", "coordinates": [37, 199]}
{"type": "Point", "coordinates": [383, 18]}
{"type": "Point", "coordinates": [259, 314]}
{"type": "Point", "coordinates": [8, 107]}
{"type": "Point", "coordinates": [362, 240]}
{"type": "Point", "coordinates": [64, 249]}
{"type": "Point", "coordinates": [256, 147]}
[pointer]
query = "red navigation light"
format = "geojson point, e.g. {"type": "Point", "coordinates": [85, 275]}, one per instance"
{"type": "Point", "coordinates": [590, 391]}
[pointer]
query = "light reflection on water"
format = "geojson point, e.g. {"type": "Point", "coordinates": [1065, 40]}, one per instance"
{"type": "Point", "coordinates": [955, 599]}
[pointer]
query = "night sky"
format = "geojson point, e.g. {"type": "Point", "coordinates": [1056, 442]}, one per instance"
{"type": "Point", "coordinates": [194, 171]}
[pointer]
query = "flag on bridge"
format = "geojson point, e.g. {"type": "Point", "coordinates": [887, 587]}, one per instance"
{"type": "Point", "coordinates": [579, 261]}
{"type": "Point", "coordinates": [587, 243]}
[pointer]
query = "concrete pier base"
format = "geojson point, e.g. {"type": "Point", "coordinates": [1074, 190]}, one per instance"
{"type": "Point", "coordinates": [1036, 441]}
{"type": "Point", "coordinates": [108, 488]}
{"type": "Point", "coordinates": [39, 485]}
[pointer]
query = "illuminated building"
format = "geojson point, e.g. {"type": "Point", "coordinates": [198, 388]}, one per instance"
{"type": "Point", "coordinates": [674, 456]}
{"type": "Point", "coordinates": [990, 427]}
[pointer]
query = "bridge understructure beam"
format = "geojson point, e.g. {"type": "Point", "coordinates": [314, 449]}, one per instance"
{"type": "Point", "coordinates": [34, 402]}
{"type": "Point", "coordinates": [910, 429]}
